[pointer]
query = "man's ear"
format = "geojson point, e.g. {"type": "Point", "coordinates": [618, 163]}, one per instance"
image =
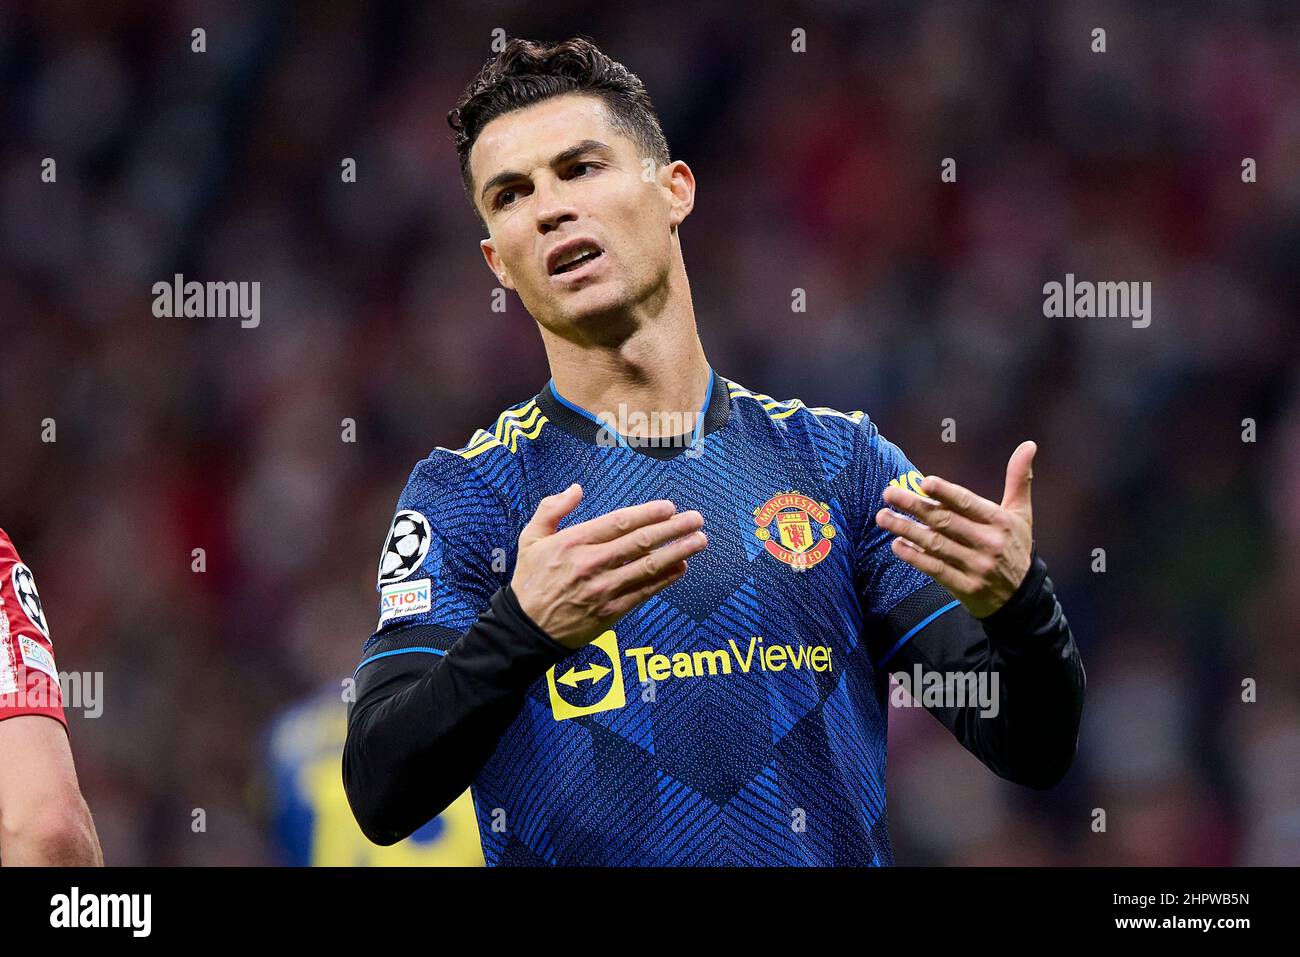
{"type": "Point", "coordinates": [494, 263]}
{"type": "Point", "coordinates": [678, 179]}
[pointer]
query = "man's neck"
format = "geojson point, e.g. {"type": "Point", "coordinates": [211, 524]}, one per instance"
{"type": "Point", "coordinates": [660, 371]}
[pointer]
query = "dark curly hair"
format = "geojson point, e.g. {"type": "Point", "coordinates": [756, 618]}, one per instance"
{"type": "Point", "coordinates": [528, 71]}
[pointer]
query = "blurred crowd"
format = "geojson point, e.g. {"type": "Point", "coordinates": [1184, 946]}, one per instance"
{"type": "Point", "coordinates": [818, 170]}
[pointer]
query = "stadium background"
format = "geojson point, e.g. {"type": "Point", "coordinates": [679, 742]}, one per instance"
{"type": "Point", "coordinates": [817, 170]}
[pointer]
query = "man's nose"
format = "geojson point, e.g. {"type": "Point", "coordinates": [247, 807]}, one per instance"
{"type": "Point", "coordinates": [552, 205]}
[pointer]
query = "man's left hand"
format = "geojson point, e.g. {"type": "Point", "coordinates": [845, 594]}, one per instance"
{"type": "Point", "coordinates": [978, 550]}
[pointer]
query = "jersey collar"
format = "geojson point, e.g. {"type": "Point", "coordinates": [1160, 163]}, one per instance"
{"type": "Point", "coordinates": [591, 429]}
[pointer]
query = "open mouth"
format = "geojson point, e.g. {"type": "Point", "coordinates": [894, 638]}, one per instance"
{"type": "Point", "coordinates": [576, 259]}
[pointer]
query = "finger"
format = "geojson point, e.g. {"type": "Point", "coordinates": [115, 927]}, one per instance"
{"type": "Point", "coordinates": [622, 604]}
{"type": "Point", "coordinates": [960, 499]}
{"type": "Point", "coordinates": [941, 547]}
{"type": "Point", "coordinates": [940, 518]}
{"type": "Point", "coordinates": [615, 524]}
{"type": "Point", "coordinates": [953, 579]}
{"type": "Point", "coordinates": [645, 539]}
{"type": "Point", "coordinates": [1020, 473]}
{"type": "Point", "coordinates": [635, 573]}
{"type": "Point", "coordinates": [550, 511]}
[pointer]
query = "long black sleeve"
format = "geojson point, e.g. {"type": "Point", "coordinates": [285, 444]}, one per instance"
{"type": "Point", "coordinates": [423, 725]}
{"type": "Point", "coordinates": [1033, 737]}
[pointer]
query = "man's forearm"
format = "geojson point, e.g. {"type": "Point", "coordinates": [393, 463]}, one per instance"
{"type": "Point", "coordinates": [1040, 681]}
{"type": "Point", "coordinates": [56, 834]}
{"type": "Point", "coordinates": [424, 725]}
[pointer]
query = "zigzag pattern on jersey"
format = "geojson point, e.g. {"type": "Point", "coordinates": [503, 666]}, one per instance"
{"type": "Point", "coordinates": [677, 824]}
{"type": "Point", "coordinates": [630, 785]}
{"type": "Point", "coordinates": [857, 733]}
{"type": "Point", "coordinates": [500, 470]}
{"type": "Point", "coordinates": [477, 518]}
{"type": "Point", "coordinates": [522, 421]}
{"type": "Point", "coordinates": [683, 825]}
{"type": "Point", "coordinates": [478, 511]}
{"type": "Point", "coordinates": [686, 812]}
{"type": "Point", "coordinates": [686, 827]}
{"type": "Point", "coordinates": [834, 445]}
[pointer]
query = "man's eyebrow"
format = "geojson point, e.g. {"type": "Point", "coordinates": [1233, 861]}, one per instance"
{"type": "Point", "coordinates": [559, 159]}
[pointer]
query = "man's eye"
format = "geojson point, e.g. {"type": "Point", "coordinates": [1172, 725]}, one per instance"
{"type": "Point", "coordinates": [577, 166]}
{"type": "Point", "coordinates": [501, 197]}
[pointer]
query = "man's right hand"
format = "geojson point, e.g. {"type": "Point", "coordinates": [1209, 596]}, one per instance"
{"type": "Point", "coordinates": [574, 584]}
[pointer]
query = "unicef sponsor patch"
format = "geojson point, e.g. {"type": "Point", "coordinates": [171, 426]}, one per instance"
{"type": "Point", "coordinates": [408, 543]}
{"type": "Point", "coordinates": [28, 599]}
{"type": "Point", "coordinates": [405, 598]}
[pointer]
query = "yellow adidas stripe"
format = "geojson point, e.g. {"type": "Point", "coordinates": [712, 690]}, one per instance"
{"type": "Point", "coordinates": [478, 438]}
{"type": "Point", "coordinates": [509, 430]}
{"type": "Point", "coordinates": [485, 438]}
{"type": "Point", "coordinates": [794, 405]}
{"type": "Point", "coordinates": [527, 434]}
{"type": "Point", "coordinates": [528, 412]}
{"type": "Point", "coordinates": [470, 453]}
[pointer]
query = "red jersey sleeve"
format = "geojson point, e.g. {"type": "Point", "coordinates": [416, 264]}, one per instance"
{"type": "Point", "coordinates": [29, 680]}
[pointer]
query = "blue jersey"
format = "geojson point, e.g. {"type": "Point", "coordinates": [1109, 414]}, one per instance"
{"type": "Point", "coordinates": [311, 825]}
{"type": "Point", "coordinates": [737, 717]}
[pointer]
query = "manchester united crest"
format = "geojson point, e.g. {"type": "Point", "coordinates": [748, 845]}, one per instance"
{"type": "Point", "coordinates": [795, 529]}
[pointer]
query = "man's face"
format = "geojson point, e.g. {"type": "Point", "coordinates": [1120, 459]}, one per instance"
{"type": "Point", "coordinates": [555, 172]}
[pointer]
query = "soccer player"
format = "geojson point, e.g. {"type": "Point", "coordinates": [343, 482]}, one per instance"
{"type": "Point", "coordinates": [43, 818]}
{"type": "Point", "coordinates": [311, 824]}
{"type": "Point", "coordinates": [649, 615]}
